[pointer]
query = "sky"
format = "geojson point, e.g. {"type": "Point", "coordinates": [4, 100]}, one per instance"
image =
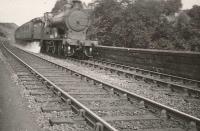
{"type": "Point", "coordinates": [21, 11]}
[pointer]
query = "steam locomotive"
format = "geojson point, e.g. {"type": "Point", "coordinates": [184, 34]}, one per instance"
{"type": "Point", "coordinates": [61, 33]}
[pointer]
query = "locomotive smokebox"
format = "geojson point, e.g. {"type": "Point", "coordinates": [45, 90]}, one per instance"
{"type": "Point", "coordinates": [70, 16]}
{"type": "Point", "coordinates": [71, 20]}
{"type": "Point", "coordinates": [77, 20]}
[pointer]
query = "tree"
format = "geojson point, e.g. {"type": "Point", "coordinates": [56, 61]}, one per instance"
{"type": "Point", "coordinates": [107, 15]}
{"type": "Point", "coordinates": [172, 6]}
{"type": "Point", "coordinates": [194, 14]}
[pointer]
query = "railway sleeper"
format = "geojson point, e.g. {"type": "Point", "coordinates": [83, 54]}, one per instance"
{"type": "Point", "coordinates": [57, 109]}
{"type": "Point", "coordinates": [113, 108]}
{"type": "Point", "coordinates": [33, 83]}
{"type": "Point", "coordinates": [107, 100]}
{"type": "Point", "coordinates": [49, 100]}
{"type": "Point", "coordinates": [130, 118]}
{"type": "Point", "coordinates": [67, 80]}
{"type": "Point", "coordinates": [39, 93]}
{"type": "Point", "coordinates": [35, 88]}
{"type": "Point", "coordinates": [59, 121]}
{"type": "Point", "coordinates": [23, 74]}
{"type": "Point", "coordinates": [86, 93]}
{"type": "Point", "coordinates": [26, 79]}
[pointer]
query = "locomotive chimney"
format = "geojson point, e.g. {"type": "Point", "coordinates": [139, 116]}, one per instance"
{"type": "Point", "coordinates": [77, 4]}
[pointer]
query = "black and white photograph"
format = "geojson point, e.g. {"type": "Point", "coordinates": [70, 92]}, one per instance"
{"type": "Point", "coordinates": [99, 65]}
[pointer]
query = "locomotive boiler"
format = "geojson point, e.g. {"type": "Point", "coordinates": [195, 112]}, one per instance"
{"type": "Point", "coordinates": [61, 33]}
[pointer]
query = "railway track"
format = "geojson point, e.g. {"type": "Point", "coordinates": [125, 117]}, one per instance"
{"type": "Point", "coordinates": [184, 97]}
{"type": "Point", "coordinates": [103, 106]}
{"type": "Point", "coordinates": [190, 86]}
{"type": "Point", "coordinates": [40, 97]}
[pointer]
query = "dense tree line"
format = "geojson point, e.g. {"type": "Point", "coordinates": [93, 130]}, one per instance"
{"type": "Point", "coordinates": [7, 30]}
{"type": "Point", "coordinates": [155, 24]}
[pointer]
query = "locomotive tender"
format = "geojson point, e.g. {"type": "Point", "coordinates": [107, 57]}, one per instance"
{"type": "Point", "coordinates": [61, 33]}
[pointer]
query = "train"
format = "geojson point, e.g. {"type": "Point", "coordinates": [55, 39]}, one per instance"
{"type": "Point", "coordinates": [62, 33]}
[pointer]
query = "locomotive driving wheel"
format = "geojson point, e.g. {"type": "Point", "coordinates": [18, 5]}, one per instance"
{"type": "Point", "coordinates": [53, 47]}
{"type": "Point", "coordinates": [88, 51]}
{"type": "Point", "coordinates": [65, 51]}
{"type": "Point", "coordinates": [70, 50]}
{"type": "Point", "coordinates": [60, 49]}
{"type": "Point", "coordinates": [47, 47]}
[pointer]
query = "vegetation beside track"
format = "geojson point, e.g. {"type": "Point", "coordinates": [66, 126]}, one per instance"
{"type": "Point", "coordinates": [7, 30]}
{"type": "Point", "coordinates": [154, 24]}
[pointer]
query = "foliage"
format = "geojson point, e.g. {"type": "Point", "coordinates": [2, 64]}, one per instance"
{"type": "Point", "coordinates": [146, 24]}
{"type": "Point", "coordinates": [7, 30]}
{"type": "Point", "coordinates": [59, 4]}
{"type": "Point", "coordinates": [194, 14]}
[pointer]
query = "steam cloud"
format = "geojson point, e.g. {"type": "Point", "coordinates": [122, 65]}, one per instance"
{"type": "Point", "coordinates": [33, 47]}
{"type": "Point", "coordinates": [30, 46]}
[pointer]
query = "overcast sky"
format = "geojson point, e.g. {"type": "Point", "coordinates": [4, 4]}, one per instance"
{"type": "Point", "coordinates": [21, 11]}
